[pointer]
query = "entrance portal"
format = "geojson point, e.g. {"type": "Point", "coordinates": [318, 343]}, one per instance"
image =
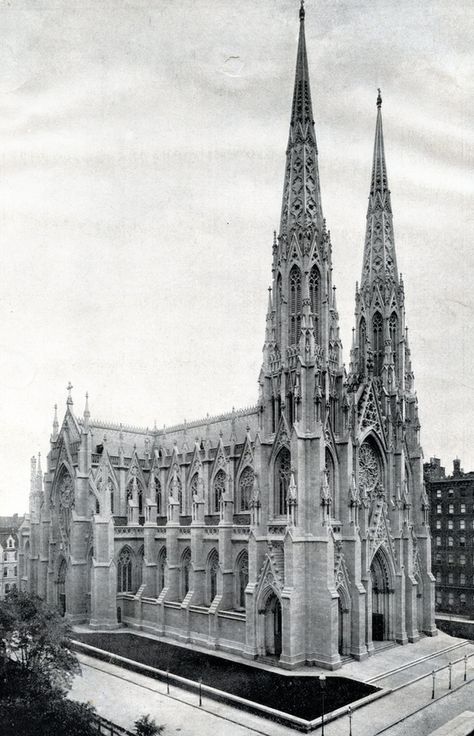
{"type": "Point", "coordinates": [381, 598]}
{"type": "Point", "coordinates": [62, 587]}
{"type": "Point", "coordinates": [273, 643]}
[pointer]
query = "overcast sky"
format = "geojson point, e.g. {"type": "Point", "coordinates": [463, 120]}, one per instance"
{"type": "Point", "coordinates": [141, 167]}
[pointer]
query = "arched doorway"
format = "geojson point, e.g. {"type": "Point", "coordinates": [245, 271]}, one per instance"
{"type": "Point", "coordinates": [340, 631]}
{"type": "Point", "coordinates": [61, 583]}
{"type": "Point", "coordinates": [344, 621]}
{"type": "Point", "coordinates": [273, 643]}
{"type": "Point", "coordinates": [382, 595]}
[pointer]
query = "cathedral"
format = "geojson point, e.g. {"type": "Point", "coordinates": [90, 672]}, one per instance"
{"type": "Point", "coordinates": [296, 530]}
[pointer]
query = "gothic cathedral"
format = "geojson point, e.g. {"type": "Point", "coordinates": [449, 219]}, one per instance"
{"type": "Point", "coordinates": [295, 530]}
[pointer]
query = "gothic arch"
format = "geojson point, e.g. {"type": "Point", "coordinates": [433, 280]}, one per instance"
{"type": "Point", "coordinates": [245, 484]}
{"type": "Point", "coordinates": [362, 344]}
{"type": "Point", "coordinates": [161, 569]}
{"type": "Point", "coordinates": [212, 567]}
{"type": "Point", "coordinates": [372, 465]}
{"type": "Point", "coordinates": [315, 299]}
{"type": "Point", "coordinates": [218, 489]}
{"type": "Point", "coordinates": [332, 477]}
{"type": "Point", "coordinates": [377, 342]}
{"type": "Point", "coordinates": [281, 481]}
{"type": "Point", "coordinates": [269, 622]}
{"type": "Point", "coordinates": [125, 564]}
{"type": "Point", "coordinates": [185, 570]}
{"type": "Point", "coordinates": [382, 586]}
{"type": "Point", "coordinates": [241, 578]}
{"type": "Point", "coordinates": [61, 584]}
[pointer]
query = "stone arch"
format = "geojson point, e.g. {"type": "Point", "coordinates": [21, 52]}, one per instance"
{"type": "Point", "coordinates": [377, 342]}
{"type": "Point", "coordinates": [344, 607]}
{"type": "Point", "coordinates": [212, 567]}
{"type": "Point", "coordinates": [161, 569]}
{"type": "Point", "coordinates": [294, 305]}
{"type": "Point", "coordinates": [281, 481]}
{"type": "Point", "coordinates": [241, 578]}
{"type": "Point", "coordinates": [269, 623]}
{"type": "Point", "coordinates": [315, 299]}
{"type": "Point", "coordinates": [185, 573]}
{"type": "Point", "coordinates": [382, 589]}
{"type": "Point", "coordinates": [331, 470]}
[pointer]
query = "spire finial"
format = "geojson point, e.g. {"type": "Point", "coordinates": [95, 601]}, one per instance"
{"type": "Point", "coordinates": [302, 10]}
{"type": "Point", "coordinates": [379, 98]}
{"type": "Point", "coordinates": [86, 407]}
{"type": "Point", "coordinates": [69, 388]}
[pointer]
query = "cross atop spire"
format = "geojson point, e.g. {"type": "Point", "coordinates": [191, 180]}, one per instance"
{"type": "Point", "coordinates": [69, 388]}
{"type": "Point", "coordinates": [302, 10]}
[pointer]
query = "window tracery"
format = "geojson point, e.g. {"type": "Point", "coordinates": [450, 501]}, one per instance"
{"type": "Point", "coordinates": [294, 305]}
{"type": "Point", "coordinates": [282, 480]}
{"type": "Point", "coordinates": [219, 489]}
{"type": "Point", "coordinates": [245, 487]}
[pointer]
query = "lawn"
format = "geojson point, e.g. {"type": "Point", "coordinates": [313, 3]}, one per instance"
{"type": "Point", "coordinates": [297, 695]}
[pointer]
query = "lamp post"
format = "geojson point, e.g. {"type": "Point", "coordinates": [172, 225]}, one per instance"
{"type": "Point", "coordinates": [450, 667]}
{"type": "Point", "coordinates": [322, 685]}
{"type": "Point", "coordinates": [168, 681]}
{"type": "Point", "coordinates": [200, 691]}
{"type": "Point", "coordinates": [349, 713]}
{"type": "Point", "coordinates": [433, 675]}
{"type": "Point", "coordinates": [465, 667]}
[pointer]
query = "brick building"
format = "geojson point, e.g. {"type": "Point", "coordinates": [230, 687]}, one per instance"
{"type": "Point", "coordinates": [452, 526]}
{"type": "Point", "coordinates": [9, 553]}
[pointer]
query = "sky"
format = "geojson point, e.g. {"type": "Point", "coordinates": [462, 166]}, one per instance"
{"type": "Point", "coordinates": [142, 151]}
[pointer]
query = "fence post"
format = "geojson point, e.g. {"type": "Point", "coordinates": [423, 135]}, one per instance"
{"type": "Point", "coordinates": [465, 667]}
{"type": "Point", "coordinates": [433, 675]}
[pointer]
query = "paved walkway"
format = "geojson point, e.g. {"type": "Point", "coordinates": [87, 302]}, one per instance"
{"type": "Point", "coordinates": [123, 696]}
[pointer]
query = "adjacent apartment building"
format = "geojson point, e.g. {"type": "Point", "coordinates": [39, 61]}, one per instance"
{"type": "Point", "coordinates": [452, 526]}
{"type": "Point", "coordinates": [8, 553]}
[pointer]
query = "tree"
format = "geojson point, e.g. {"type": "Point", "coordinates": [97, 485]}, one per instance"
{"type": "Point", "coordinates": [36, 670]}
{"type": "Point", "coordinates": [37, 638]}
{"type": "Point", "coordinates": [146, 726]}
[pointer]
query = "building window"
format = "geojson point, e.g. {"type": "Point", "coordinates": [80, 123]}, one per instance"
{"type": "Point", "coordinates": [185, 569]}
{"type": "Point", "coordinates": [246, 486]}
{"type": "Point", "coordinates": [462, 599]}
{"type": "Point", "coordinates": [5, 572]}
{"type": "Point", "coordinates": [314, 295]}
{"type": "Point", "coordinates": [462, 524]}
{"type": "Point", "coordinates": [462, 559]}
{"type": "Point", "coordinates": [438, 557]}
{"type": "Point", "coordinates": [439, 509]}
{"type": "Point", "coordinates": [450, 524]}
{"type": "Point", "coordinates": [212, 568]}
{"type": "Point", "coordinates": [451, 508]}
{"type": "Point", "coordinates": [438, 541]}
{"type": "Point", "coordinates": [450, 599]}
{"type": "Point", "coordinates": [161, 569]}
{"type": "Point", "coordinates": [462, 579]}
{"type": "Point", "coordinates": [450, 542]}
{"type": "Point", "coordinates": [450, 558]}
{"type": "Point", "coordinates": [282, 480]}
{"type": "Point", "coordinates": [438, 577]}
{"type": "Point", "coordinates": [450, 492]}
{"type": "Point", "coordinates": [15, 571]}
{"type": "Point", "coordinates": [124, 571]}
{"type": "Point", "coordinates": [463, 508]}
{"type": "Point", "coordinates": [438, 523]}
{"type": "Point", "coordinates": [377, 343]}
{"type": "Point", "coordinates": [450, 578]}
{"type": "Point", "coordinates": [219, 488]}
{"type": "Point", "coordinates": [438, 598]}
{"type": "Point", "coordinates": [438, 493]}
{"type": "Point", "coordinates": [462, 541]}
{"type": "Point", "coordinates": [294, 306]}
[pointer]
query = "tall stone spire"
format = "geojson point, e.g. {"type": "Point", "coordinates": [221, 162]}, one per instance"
{"type": "Point", "coordinates": [380, 263]}
{"type": "Point", "coordinates": [301, 206]}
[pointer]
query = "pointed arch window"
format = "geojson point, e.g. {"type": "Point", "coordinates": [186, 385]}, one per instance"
{"type": "Point", "coordinates": [211, 575]}
{"type": "Point", "coordinates": [377, 342]}
{"type": "Point", "coordinates": [185, 572]}
{"type": "Point", "coordinates": [331, 477]}
{"type": "Point", "coordinates": [245, 487]}
{"type": "Point", "coordinates": [362, 345]}
{"type": "Point", "coordinates": [218, 490]}
{"type": "Point", "coordinates": [393, 332]}
{"type": "Point", "coordinates": [294, 305]}
{"type": "Point", "coordinates": [124, 571]}
{"type": "Point", "coordinates": [139, 570]}
{"type": "Point", "coordinates": [161, 569]}
{"type": "Point", "coordinates": [277, 305]}
{"type": "Point", "coordinates": [282, 480]}
{"type": "Point", "coordinates": [242, 578]}
{"type": "Point", "coordinates": [193, 486]}
{"type": "Point", "coordinates": [158, 497]}
{"type": "Point", "coordinates": [315, 299]}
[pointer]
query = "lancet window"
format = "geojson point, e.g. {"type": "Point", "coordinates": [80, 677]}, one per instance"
{"type": "Point", "coordinates": [294, 305]}
{"type": "Point", "coordinates": [185, 572]}
{"type": "Point", "coordinates": [161, 569]}
{"type": "Point", "coordinates": [242, 578]}
{"type": "Point", "coordinates": [282, 480]}
{"type": "Point", "coordinates": [218, 490]}
{"type": "Point", "coordinates": [362, 345]}
{"type": "Point", "coordinates": [211, 574]}
{"type": "Point", "coordinates": [124, 571]}
{"type": "Point", "coordinates": [245, 487]}
{"type": "Point", "coordinates": [315, 299]}
{"type": "Point", "coordinates": [377, 342]}
{"type": "Point", "coordinates": [393, 332]}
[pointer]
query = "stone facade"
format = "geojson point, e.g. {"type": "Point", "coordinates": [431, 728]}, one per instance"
{"type": "Point", "coordinates": [452, 522]}
{"type": "Point", "coordinates": [297, 529]}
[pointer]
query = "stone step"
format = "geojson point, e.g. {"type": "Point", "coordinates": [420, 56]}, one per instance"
{"type": "Point", "coordinates": [415, 662]}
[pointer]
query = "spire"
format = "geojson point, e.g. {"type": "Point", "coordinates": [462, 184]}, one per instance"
{"type": "Point", "coordinates": [380, 263]}
{"type": "Point", "coordinates": [69, 388]}
{"type": "Point", "coordinates": [301, 194]}
{"type": "Point", "coordinates": [87, 414]}
{"type": "Point", "coordinates": [54, 436]}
